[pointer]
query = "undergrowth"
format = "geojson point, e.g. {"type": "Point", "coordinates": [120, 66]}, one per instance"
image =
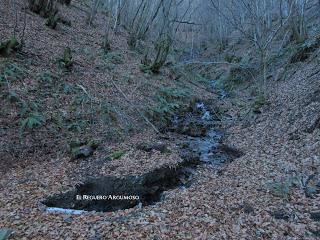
{"type": "Point", "coordinates": [168, 101]}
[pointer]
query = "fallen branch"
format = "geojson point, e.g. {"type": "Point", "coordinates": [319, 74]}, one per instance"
{"type": "Point", "coordinates": [205, 63]}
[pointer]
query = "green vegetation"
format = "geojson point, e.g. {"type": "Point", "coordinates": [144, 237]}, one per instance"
{"type": "Point", "coordinates": [30, 116]}
{"type": "Point", "coordinates": [282, 188]}
{"type": "Point", "coordinates": [232, 58]}
{"type": "Point", "coordinates": [118, 154]}
{"type": "Point", "coordinates": [42, 7]}
{"type": "Point", "coordinates": [45, 78]}
{"type": "Point", "coordinates": [169, 100]}
{"type": "Point", "coordinates": [66, 60]}
{"type": "Point", "coordinates": [305, 49]}
{"type": "Point", "coordinates": [238, 74]}
{"type": "Point", "coordinates": [114, 58]}
{"type": "Point", "coordinates": [52, 19]}
{"type": "Point", "coordinates": [9, 46]}
{"type": "Point", "coordinates": [259, 102]}
{"type": "Point", "coordinates": [162, 48]}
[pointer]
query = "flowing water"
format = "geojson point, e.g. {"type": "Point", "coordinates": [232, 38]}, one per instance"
{"type": "Point", "coordinates": [199, 143]}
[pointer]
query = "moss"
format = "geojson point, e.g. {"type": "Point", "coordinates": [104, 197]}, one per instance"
{"type": "Point", "coordinates": [145, 68]}
{"type": "Point", "coordinates": [162, 48]}
{"type": "Point", "coordinates": [148, 147]}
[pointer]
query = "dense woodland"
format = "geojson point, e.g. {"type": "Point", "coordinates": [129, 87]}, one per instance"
{"type": "Point", "coordinates": [180, 119]}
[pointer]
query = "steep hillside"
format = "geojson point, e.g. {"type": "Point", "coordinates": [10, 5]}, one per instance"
{"type": "Point", "coordinates": [224, 161]}
{"type": "Point", "coordinates": [101, 97]}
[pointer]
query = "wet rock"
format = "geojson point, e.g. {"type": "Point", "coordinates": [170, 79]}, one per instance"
{"type": "Point", "coordinates": [5, 233]}
{"type": "Point", "coordinates": [193, 129]}
{"type": "Point", "coordinates": [311, 191]}
{"type": "Point", "coordinates": [315, 216]}
{"type": "Point", "coordinates": [68, 220]}
{"type": "Point", "coordinates": [82, 152]}
{"type": "Point", "coordinates": [83, 149]}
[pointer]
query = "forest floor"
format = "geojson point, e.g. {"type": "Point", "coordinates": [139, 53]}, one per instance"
{"type": "Point", "coordinates": [270, 192]}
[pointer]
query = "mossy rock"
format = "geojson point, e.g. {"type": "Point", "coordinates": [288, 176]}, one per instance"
{"type": "Point", "coordinates": [82, 152]}
{"type": "Point", "coordinates": [259, 102]}
{"type": "Point", "coordinates": [83, 149]}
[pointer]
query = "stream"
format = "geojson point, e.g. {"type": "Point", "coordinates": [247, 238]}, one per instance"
{"type": "Point", "coordinates": [199, 143]}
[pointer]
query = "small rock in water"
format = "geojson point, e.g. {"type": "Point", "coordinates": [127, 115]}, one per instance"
{"type": "Point", "coordinates": [206, 116]}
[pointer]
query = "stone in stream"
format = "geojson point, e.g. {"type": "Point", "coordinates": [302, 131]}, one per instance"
{"type": "Point", "coordinates": [200, 144]}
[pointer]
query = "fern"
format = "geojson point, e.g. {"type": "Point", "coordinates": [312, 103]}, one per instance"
{"type": "Point", "coordinates": [30, 116]}
{"type": "Point", "coordinates": [45, 77]}
{"type": "Point", "coordinates": [32, 120]}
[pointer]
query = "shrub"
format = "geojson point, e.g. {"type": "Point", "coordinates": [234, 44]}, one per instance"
{"type": "Point", "coordinates": [259, 102]}
{"type": "Point", "coordinates": [169, 100]}
{"type": "Point", "coordinates": [162, 48]}
{"type": "Point", "coordinates": [66, 60]}
{"type": "Point", "coordinates": [114, 57]}
{"type": "Point", "coordinates": [30, 116]}
{"type": "Point", "coordinates": [9, 46]}
{"type": "Point", "coordinates": [43, 7]}
{"type": "Point", "coordinates": [305, 50]}
{"type": "Point", "coordinates": [281, 188]}
{"type": "Point", "coordinates": [52, 19]}
{"type": "Point", "coordinates": [117, 154]}
{"type": "Point", "coordinates": [231, 58]}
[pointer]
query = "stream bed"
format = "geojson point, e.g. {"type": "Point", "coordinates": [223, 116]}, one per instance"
{"type": "Point", "coordinates": [199, 143]}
